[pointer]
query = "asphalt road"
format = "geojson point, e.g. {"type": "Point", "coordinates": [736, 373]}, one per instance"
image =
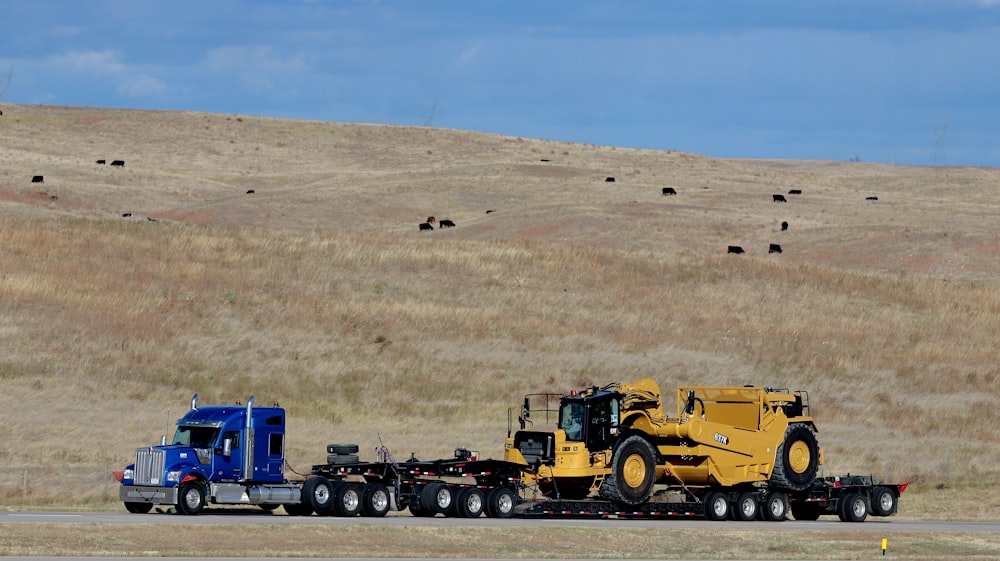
{"type": "Point", "coordinates": [882, 525]}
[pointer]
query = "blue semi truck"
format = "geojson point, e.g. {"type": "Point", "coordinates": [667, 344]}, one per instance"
{"type": "Point", "coordinates": [223, 454]}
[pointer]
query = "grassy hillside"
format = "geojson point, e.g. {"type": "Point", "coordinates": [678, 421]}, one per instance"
{"type": "Point", "coordinates": [317, 290]}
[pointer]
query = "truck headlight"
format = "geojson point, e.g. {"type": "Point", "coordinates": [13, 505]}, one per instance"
{"type": "Point", "coordinates": [129, 474]}
{"type": "Point", "coordinates": [174, 476]}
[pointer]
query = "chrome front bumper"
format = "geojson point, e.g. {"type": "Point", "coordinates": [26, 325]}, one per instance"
{"type": "Point", "coordinates": [148, 494]}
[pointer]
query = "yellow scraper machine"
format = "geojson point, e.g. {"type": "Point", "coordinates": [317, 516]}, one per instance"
{"type": "Point", "coordinates": [745, 453]}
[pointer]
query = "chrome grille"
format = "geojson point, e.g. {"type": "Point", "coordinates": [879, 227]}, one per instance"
{"type": "Point", "coordinates": [149, 465]}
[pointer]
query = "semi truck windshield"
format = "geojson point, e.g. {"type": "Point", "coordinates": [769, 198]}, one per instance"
{"type": "Point", "coordinates": [196, 437]}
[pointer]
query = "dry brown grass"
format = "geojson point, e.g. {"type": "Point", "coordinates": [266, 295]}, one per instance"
{"type": "Point", "coordinates": [364, 541]}
{"type": "Point", "coordinates": [319, 292]}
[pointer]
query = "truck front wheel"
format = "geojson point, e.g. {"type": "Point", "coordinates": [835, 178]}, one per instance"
{"type": "Point", "coordinates": [191, 499]}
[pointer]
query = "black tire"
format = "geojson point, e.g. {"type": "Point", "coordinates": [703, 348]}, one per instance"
{"type": "Point", "coordinates": [747, 507]}
{"type": "Point", "coordinates": [853, 508]}
{"type": "Point", "coordinates": [347, 499]}
{"type": "Point", "coordinates": [806, 511]}
{"type": "Point", "coordinates": [342, 459]}
{"type": "Point", "coordinates": [883, 501]}
{"type": "Point", "coordinates": [376, 500]}
{"type": "Point", "coordinates": [138, 508]}
{"type": "Point", "coordinates": [317, 492]}
{"type": "Point", "coordinates": [796, 460]}
{"type": "Point", "coordinates": [342, 448]}
{"type": "Point", "coordinates": [500, 502]}
{"type": "Point", "coordinates": [471, 502]}
{"type": "Point", "coordinates": [437, 497]}
{"type": "Point", "coordinates": [297, 509]}
{"type": "Point", "coordinates": [716, 506]}
{"type": "Point", "coordinates": [417, 509]}
{"type": "Point", "coordinates": [775, 506]}
{"type": "Point", "coordinates": [633, 472]}
{"type": "Point", "coordinates": [191, 498]}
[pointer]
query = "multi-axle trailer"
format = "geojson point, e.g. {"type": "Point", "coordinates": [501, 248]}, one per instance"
{"type": "Point", "coordinates": [234, 455]}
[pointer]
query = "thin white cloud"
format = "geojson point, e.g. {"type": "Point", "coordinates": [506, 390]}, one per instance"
{"type": "Point", "coordinates": [256, 67]}
{"type": "Point", "coordinates": [95, 62]}
{"type": "Point", "coordinates": [141, 85]}
{"type": "Point", "coordinates": [468, 55]}
{"type": "Point", "coordinates": [108, 63]}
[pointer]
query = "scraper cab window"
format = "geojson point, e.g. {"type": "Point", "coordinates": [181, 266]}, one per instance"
{"type": "Point", "coordinates": [196, 437]}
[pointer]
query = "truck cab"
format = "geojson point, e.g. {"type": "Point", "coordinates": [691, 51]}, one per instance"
{"type": "Point", "coordinates": [229, 454]}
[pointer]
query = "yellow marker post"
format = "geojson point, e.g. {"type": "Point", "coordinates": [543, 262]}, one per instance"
{"type": "Point", "coordinates": [885, 543]}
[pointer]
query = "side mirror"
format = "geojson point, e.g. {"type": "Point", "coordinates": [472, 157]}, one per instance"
{"type": "Point", "coordinates": [227, 447]}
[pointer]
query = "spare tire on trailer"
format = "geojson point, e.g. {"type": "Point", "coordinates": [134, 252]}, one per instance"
{"type": "Point", "coordinates": [342, 448]}
{"type": "Point", "coordinates": [796, 460]}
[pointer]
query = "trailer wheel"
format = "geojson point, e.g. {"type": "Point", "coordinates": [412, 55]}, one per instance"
{"type": "Point", "coordinates": [471, 502]}
{"type": "Point", "coordinates": [775, 506]}
{"type": "Point", "coordinates": [633, 472]}
{"type": "Point", "coordinates": [747, 507]}
{"type": "Point", "coordinates": [347, 499]}
{"type": "Point", "coordinates": [716, 506]}
{"type": "Point", "coordinates": [853, 508]}
{"type": "Point", "coordinates": [138, 508]}
{"type": "Point", "coordinates": [883, 501]}
{"type": "Point", "coordinates": [500, 503]}
{"type": "Point", "coordinates": [437, 497]}
{"type": "Point", "coordinates": [297, 509]}
{"type": "Point", "coordinates": [376, 500]}
{"type": "Point", "coordinates": [796, 460]}
{"type": "Point", "coordinates": [417, 509]}
{"type": "Point", "coordinates": [317, 492]}
{"type": "Point", "coordinates": [805, 511]}
{"type": "Point", "coordinates": [191, 499]}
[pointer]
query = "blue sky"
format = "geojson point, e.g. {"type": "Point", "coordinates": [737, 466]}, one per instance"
{"type": "Point", "coordinates": [905, 82]}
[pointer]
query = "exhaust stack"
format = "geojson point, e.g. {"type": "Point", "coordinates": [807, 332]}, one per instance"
{"type": "Point", "coordinates": [194, 402]}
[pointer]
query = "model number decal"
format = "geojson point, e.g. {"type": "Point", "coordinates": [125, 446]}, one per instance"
{"type": "Point", "coordinates": [722, 439]}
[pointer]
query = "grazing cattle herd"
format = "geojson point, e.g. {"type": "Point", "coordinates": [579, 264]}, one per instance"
{"type": "Point", "coordinates": [428, 225]}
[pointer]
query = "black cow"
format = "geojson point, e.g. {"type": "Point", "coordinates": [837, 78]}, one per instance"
{"type": "Point", "coordinates": [871, 198]}
{"type": "Point", "coordinates": [250, 191]}
{"type": "Point", "coordinates": [490, 211]}
{"type": "Point", "coordinates": [784, 226]}
{"type": "Point", "coordinates": [446, 224]}
{"type": "Point", "coordinates": [119, 163]}
{"type": "Point", "coordinates": [774, 248]}
{"type": "Point", "coordinates": [778, 198]}
{"type": "Point", "coordinates": [669, 191]}
{"type": "Point", "coordinates": [734, 249]}
{"type": "Point", "coordinates": [609, 179]}
{"type": "Point", "coordinates": [1, 113]}
{"type": "Point", "coordinates": [426, 226]}
{"type": "Point", "coordinates": [102, 162]}
{"type": "Point", "coordinates": [795, 192]}
{"type": "Point", "coordinates": [38, 179]}
{"type": "Point", "coordinates": [546, 160]}
{"type": "Point", "coordinates": [126, 215]}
